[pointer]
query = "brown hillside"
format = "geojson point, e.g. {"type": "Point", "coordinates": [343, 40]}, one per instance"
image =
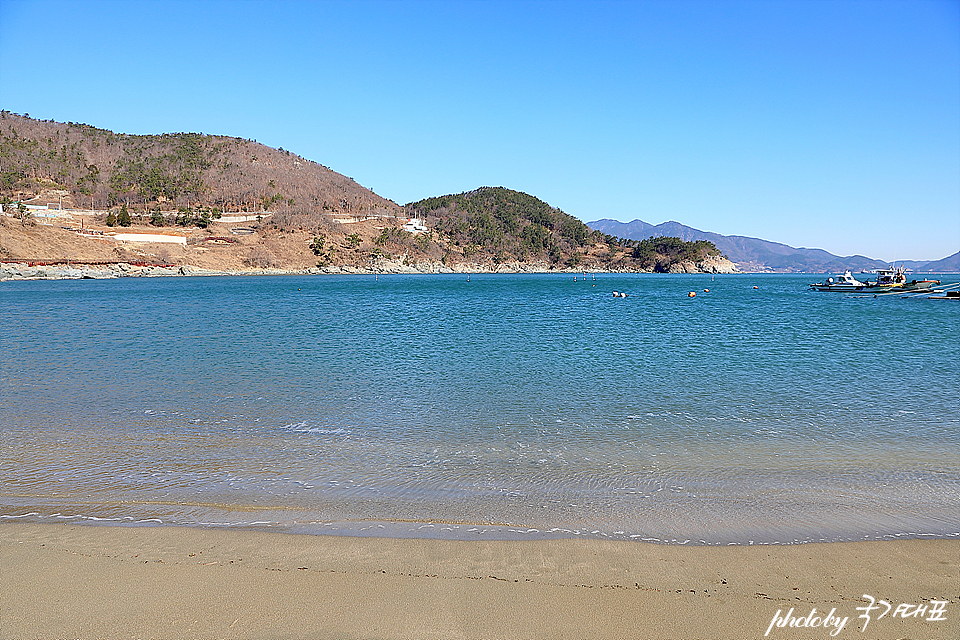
{"type": "Point", "coordinates": [100, 169]}
{"type": "Point", "coordinates": [285, 244]}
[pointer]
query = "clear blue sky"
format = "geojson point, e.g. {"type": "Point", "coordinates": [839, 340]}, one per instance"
{"type": "Point", "coordinates": [832, 124]}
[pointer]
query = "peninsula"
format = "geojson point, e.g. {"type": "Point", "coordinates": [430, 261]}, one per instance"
{"type": "Point", "coordinates": [79, 201]}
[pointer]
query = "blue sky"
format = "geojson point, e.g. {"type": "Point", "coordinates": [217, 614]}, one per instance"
{"type": "Point", "coordinates": [830, 124]}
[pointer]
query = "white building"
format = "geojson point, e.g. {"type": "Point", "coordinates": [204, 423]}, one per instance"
{"type": "Point", "coordinates": [415, 225]}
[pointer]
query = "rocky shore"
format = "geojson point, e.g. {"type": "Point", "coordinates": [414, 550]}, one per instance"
{"type": "Point", "coordinates": [104, 271]}
{"type": "Point", "coordinates": [47, 251]}
{"type": "Point", "coordinates": [26, 271]}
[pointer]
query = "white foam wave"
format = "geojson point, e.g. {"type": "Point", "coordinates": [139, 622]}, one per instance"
{"type": "Point", "coordinates": [304, 427]}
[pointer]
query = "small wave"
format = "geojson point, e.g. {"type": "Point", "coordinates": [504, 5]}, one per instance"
{"type": "Point", "coordinates": [304, 427]}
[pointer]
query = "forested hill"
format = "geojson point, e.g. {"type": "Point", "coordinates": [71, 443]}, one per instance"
{"type": "Point", "coordinates": [507, 224]}
{"type": "Point", "coordinates": [100, 169]}
{"type": "Point", "coordinates": [511, 226]}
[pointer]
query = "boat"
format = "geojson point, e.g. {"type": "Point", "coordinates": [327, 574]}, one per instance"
{"type": "Point", "coordinates": [920, 285]}
{"type": "Point", "coordinates": [897, 279]}
{"type": "Point", "coordinates": [846, 282]}
{"type": "Point", "coordinates": [946, 295]}
{"type": "Point", "coordinates": [888, 280]}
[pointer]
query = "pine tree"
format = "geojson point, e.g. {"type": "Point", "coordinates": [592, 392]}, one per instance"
{"type": "Point", "coordinates": [123, 219]}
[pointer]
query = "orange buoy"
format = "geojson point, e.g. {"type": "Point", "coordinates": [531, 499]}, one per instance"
{"type": "Point", "coordinates": [706, 290]}
{"type": "Point", "coordinates": [691, 295]}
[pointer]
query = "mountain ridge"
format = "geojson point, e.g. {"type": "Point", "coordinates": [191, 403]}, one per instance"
{"type": "Point", "coordinates": [756, 254]}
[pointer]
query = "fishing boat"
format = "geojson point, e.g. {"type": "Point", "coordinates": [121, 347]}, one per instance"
{"type": "Point", "coordinates": [897, 279]}
{"type": "Point", "coordinates": [888, 280]}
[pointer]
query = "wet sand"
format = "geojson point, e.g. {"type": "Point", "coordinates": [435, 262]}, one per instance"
{"type": "Point", "coordinates": [62, 581]}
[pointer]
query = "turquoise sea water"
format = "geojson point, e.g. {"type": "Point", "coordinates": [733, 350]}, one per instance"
{"type": "Point", "coordinates": [504, 406]}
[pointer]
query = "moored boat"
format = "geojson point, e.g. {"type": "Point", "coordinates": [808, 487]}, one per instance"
{"type": "Point", "coordinates": [892, 279]}
{"type": "Point", "coordinates": [888, 280]}
{"type": "Point", "coordinates": [845, 282]}
{"type": "Point", "coordinates": [921, 285]}
{"type": "Point", "coordinates": [946, 295]}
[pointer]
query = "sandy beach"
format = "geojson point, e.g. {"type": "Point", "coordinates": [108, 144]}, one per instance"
{"type": "Point", "coordinates": [63, 581]}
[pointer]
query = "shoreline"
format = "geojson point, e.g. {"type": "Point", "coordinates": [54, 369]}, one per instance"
{"type": "Point", "coordinates": [465, 531]}
{"type": "Point", "coordinates": [12, 271]}
{"type": "Point", "coordinates": [62, 580]}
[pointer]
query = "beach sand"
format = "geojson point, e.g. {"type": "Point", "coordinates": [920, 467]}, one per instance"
{"type": "Point", "coordinates": [62, 581]}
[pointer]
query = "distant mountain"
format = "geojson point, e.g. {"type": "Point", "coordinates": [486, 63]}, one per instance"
{"type": "Point", "coordinates": [950, 264]}
{"type": "Point", "coordinates": [754, 254]}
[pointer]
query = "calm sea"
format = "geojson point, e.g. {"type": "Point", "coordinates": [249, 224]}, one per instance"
{"type": "Point", "coordinates": [499, 406]}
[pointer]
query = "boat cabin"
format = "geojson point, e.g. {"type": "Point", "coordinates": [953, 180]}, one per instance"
{"type": "Point", "coordinates": [891, 277]}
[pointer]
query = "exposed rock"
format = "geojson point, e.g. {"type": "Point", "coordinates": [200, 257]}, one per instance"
{"type": "Point", "coordinates": [717, 264]}
{"type": "Point", "coordinates": [710, 264]}
{"type": "Point", "coordinates": [402, 264]}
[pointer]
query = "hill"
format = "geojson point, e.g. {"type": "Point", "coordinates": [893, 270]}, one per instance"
{"type": "Point", "coordinates": [511, 226]}
{"type": "Point", "coordinates": [223, 203]}
{"type": "Point", "coordinates": [99, 169]}
{"type": "Point", "coordinates": [950, 264]}
{"type": "Point", "coordinates": [754, 254]}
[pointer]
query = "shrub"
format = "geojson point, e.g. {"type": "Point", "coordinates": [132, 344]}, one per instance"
{"type": "Point", "coordinates": [260, 258]}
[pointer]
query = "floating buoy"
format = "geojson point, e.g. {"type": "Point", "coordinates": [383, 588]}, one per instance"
{"type": "Point", "coordinates": [691, 295]}
{"type": "Point", "coordinates": [706, 290]}
{"type": "Point", "coordinates": [756, 287]}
